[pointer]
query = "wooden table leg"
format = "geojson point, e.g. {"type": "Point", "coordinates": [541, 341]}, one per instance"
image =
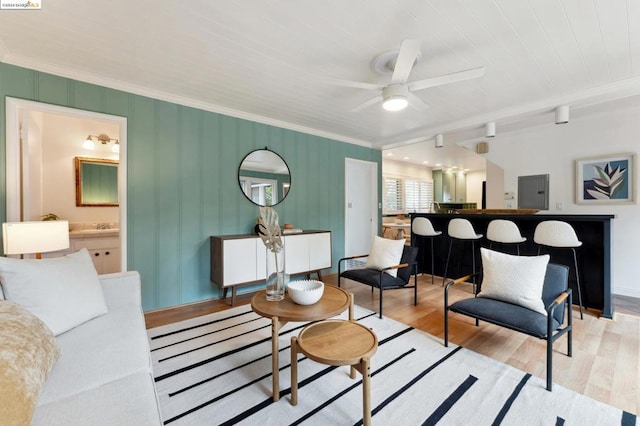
{"type": "Point", "coordinates": [275, 365]}
{"type": "Point", "coordinates": [366, 393]}
{"type": "Point", "coordinates": [294, 370]}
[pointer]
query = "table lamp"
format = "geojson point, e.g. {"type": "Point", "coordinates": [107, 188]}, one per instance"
{"type": "Point", "coordinates": [35, 237]}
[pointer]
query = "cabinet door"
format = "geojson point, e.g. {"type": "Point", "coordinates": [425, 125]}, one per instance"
{"type": "Point", "coordinates": [239, 261]}
{"type": "Point", "coordinates": [437, 186]}
{"type": "Point", "coordinates": [110, 260]}
{"type": "Point", "coordinates": [448, 187]}
{"type": "Point", "coordinates": [461, 188]}
{"type": "Point", "coordinates": [296, 253]}
{"type": "Point", "coordinates": [319, 251]}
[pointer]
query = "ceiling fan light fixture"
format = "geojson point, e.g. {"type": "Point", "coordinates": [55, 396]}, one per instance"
{"type": "Point", "coordinates": [395, 97]}
{"type": "Point", "coordinates": [395, 103]}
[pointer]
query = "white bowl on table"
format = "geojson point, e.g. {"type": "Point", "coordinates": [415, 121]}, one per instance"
{"type": "Point", "coordinates": [305, 292]}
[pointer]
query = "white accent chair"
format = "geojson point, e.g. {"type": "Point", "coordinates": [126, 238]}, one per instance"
{"type": "Point", "coordinates": [422, 227]}
{"type": "Point", "coordinates": [461, 230]}
{"type": "Point", "coordinates": [504, 232]}
{"type": "Point", "coordinates": [558, 234]}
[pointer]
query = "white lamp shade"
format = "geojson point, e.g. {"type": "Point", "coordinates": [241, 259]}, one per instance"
{"type": "Point", "coordinates": [35, 237]}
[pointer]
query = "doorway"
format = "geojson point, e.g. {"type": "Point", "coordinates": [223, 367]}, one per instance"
{"type": "Point", "coordinates": [361, 206]}
{"type": "Point", "coordinates": [25, 138]}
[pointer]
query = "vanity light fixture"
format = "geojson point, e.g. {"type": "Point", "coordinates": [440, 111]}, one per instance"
{"type": "Point", "coordinates": [104, 139]}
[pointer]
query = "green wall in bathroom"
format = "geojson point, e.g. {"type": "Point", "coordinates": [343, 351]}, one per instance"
{"type": "Point", "coordinates": [182, 179]}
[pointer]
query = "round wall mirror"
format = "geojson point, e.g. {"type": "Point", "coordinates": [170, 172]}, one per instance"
{"type": "Point", "coordinates": [264, 177]}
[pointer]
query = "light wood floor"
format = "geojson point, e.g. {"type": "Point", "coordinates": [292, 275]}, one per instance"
{"type": "Point", "coordinates": [606, 354]}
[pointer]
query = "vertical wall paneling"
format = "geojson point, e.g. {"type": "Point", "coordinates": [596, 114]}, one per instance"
{"type": "Point", "coordinates": [182, 179]}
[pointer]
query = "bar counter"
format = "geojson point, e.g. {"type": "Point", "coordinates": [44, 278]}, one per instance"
{"type": "Point", "coordinates": [594, 256]}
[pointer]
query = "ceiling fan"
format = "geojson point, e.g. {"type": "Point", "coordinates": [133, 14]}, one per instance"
{"type": "Point", "coordinates": [399, 93]}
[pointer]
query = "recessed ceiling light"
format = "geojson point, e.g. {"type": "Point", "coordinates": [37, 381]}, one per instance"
{"type": "Point", "coordinates": [466, 170]}
{"type": "Point", "coordinates": [405, 158]}
{"type": "Point", "coordinates": [438, 164]}
{"type": "Point", "coordinates": [454, 167]}
{"type": "Point", "coordinates": [389, 154]}
{"type": "Point", "coordinates": [425, 162]}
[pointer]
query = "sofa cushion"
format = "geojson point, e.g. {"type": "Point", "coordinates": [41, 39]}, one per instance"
{"type": "Point", "coordinates": [385, 253]}
{"type": "Point", "coordinates": [63, 292]}
{"type": "Point", "coordinates": [99, 351]}
{"type": "Point", "coordinates": [130, 400]}
{"type": "Point", "coordinates": [28, 350]}
{"type": "Point", "coordinates": [514, 279]}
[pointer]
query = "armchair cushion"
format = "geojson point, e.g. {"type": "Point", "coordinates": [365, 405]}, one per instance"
{"type": "Point", "coordinates": [385, 253]}
{"type": "Point", "coordinates": [506, 315]}
{"type": "Point", "coordinates": [514, 279]}
{"type": "Point", "coordinates": [371, 277]}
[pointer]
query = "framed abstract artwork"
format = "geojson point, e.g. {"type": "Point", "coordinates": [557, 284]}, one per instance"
{"type": "Point", "coordinates": [609, 179]}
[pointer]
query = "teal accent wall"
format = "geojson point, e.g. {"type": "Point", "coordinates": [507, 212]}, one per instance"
{"type": "Point", "coordinates": [182, 179]}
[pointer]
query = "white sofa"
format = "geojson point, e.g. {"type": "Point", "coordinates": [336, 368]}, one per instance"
{"type": "Point", "coordinates": [103, 375]}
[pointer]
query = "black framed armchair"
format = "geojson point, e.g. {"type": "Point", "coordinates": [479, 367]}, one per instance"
{"type": "Point", "coordinates": [557, 299]}
{"type": "Point", "coordinates": [380, 279]}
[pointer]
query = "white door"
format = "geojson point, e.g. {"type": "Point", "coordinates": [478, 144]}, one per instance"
{"type": "Point", "coordinates": [361, 206]}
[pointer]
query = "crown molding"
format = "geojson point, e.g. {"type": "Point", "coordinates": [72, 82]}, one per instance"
{"type": "Point", "coordinates": [29, 63]}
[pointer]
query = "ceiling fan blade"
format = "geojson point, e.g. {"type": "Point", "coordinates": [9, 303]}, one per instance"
{"type": "Point", "coordinates": [416, 103]}
{"type": "Point", "coordinates": [454, 77]}
{"type": "Point", "coordinates": [356, 84]}
{"type": "Point", "coordinates": [406, 58]}
{"type": "Point", "coordinates": [367, 104]}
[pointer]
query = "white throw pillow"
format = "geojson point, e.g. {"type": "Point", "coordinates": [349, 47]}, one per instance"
{"type": "Point", "coordinates": [63, 292]}
{"type": "Point", "coordinates": [514, 279]}
{"type": "Point", "coordinates": [385, 253]}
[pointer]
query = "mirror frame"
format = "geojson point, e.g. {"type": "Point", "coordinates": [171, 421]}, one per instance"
{"type": "Point", "coordinates": [79, 162]}
{"type": "Point", "coordinates": [282, 193]}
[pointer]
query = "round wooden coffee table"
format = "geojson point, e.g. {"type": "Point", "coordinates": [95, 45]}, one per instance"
{"type": "Point", "coordinates": [334, 301]}
{"type": "Point", "coordinates": [337, 342]}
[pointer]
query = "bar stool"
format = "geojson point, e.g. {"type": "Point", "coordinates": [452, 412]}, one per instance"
{"type": "Point", "coordinates": [422, 227]}
{"type": "Point", "coordinates": [504, 232]}
{"type": "Point", "coordinates": [337, 342]}
{"type": "Point", "coordinates": [461, 229]}
{"type": "Point", "coordinates": [558, 234]}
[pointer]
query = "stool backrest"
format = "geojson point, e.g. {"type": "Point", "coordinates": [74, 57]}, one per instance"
{"type": "Point", "coordinates": [504, 231]}
{"type": "Point", "coordinates": [462, 229]}
{"type": "Point", "coordinates": [555, 233]}
{"type": "Point", "coordinates": [422, 226]}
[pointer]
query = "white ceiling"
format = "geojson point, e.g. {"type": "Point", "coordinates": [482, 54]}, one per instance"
{"type": "Point", "coordinates": [274, 61]}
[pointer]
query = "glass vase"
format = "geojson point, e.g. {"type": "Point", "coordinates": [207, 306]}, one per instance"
{"type": "Point", "coordinates": [276, 277]}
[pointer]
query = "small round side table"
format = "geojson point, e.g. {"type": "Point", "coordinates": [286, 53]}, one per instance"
{"type": "Point", "coordinates": [337, 342]}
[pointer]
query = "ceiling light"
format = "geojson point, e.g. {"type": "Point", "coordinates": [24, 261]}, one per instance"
{"type": "Point", "coordinates": [395, 97]}
{"type": "Point", "coordinates": [405, 158]}
{"type": "Point", "coordinates": [439, 140]}
{"type": "Point", "coordinates": [438, 164]}
{"type": "Point", "coordinates": [562, 114]}
{"type": "Point", "coordinates": [390, 154]}
{"type": "Point", "coordinates": [491, 130]}
{"type": "Point", "coordinates": [425, 162]}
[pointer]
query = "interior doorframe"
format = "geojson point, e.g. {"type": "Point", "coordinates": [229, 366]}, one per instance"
{"type": "Point", "coordinates": [373, 208]}
{"type": "Point", "coordinates": [15, 107]}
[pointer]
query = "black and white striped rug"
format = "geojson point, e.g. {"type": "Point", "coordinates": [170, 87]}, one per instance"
{"type": "Point", "coordinates": [215, 369]}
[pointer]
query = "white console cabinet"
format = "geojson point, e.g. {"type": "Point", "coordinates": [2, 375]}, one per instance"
{"type": "Point", "coordinates": [104, 251]}
{"type": "Point", "coordinates": [241, 259]}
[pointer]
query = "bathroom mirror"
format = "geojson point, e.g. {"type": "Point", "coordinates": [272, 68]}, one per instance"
{"type": "Point", "coordinates": [264, 177]}
{"type": "Point", "coordinates": [96, 182]}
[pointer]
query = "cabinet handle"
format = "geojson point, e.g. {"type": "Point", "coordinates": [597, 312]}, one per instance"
{"type": "Point", "coordinates": [107, 253]}
{"type": "Point", "coordinates": [97, 254]}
